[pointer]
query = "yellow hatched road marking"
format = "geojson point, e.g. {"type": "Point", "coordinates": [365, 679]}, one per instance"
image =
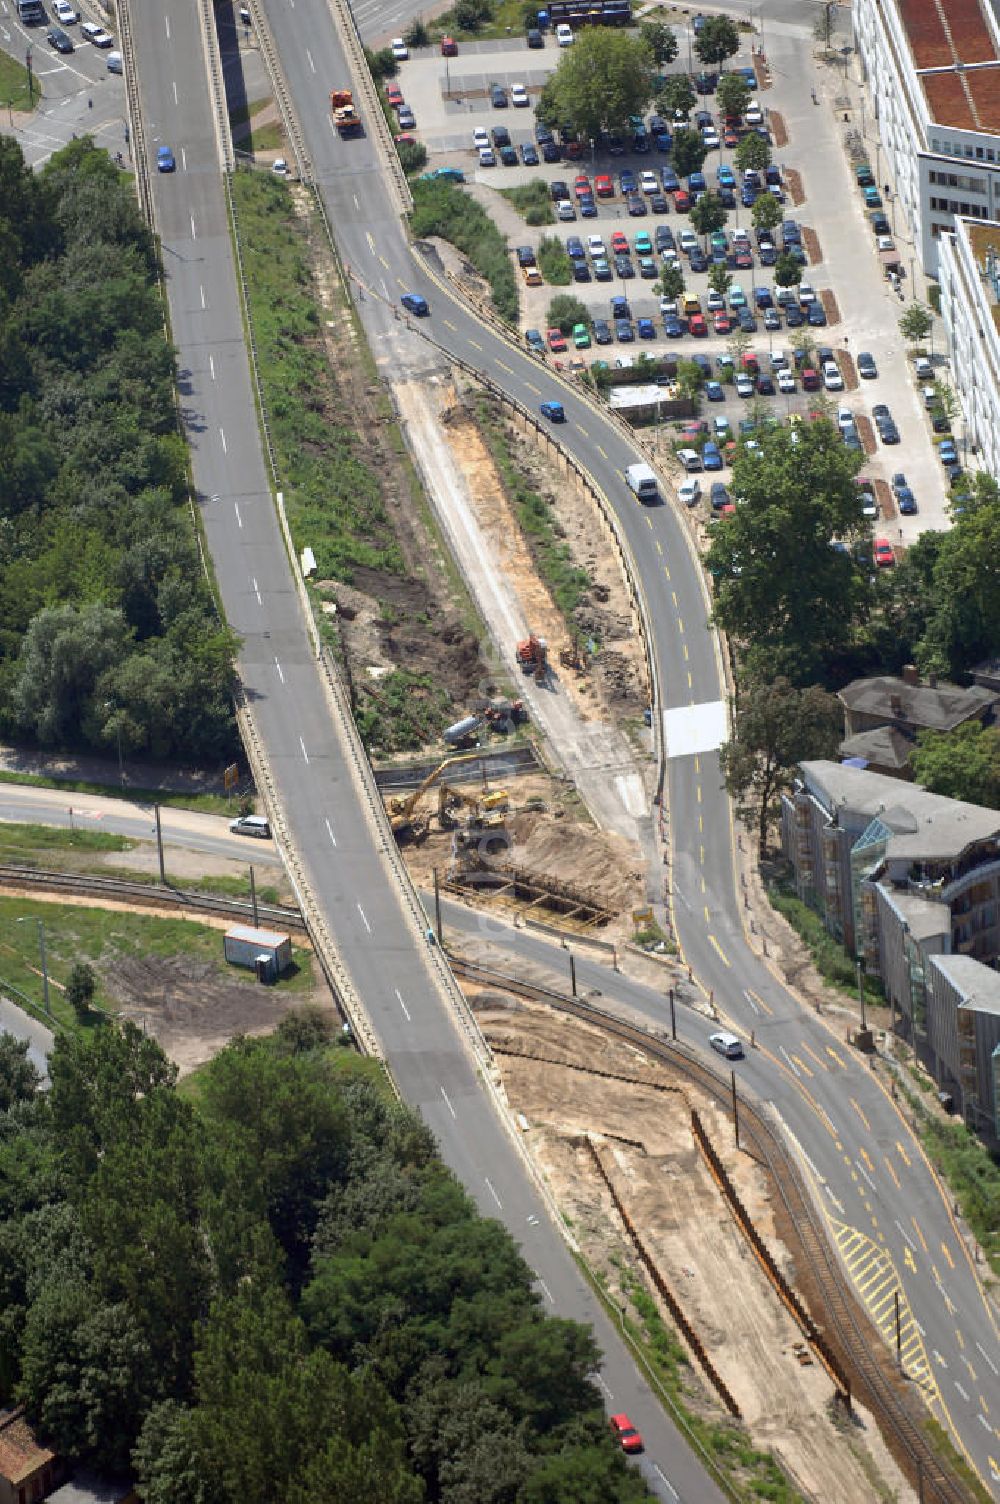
{"type": "Point", "coordinates": [877, 1283]}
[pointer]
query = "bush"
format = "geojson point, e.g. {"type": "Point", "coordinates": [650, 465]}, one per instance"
{"type": "Point", "coordinates": [565, 311]}
{"type": "Point", "coordinates": [533, 200]}
{"type": "Point", "coordinates": [80, 986]}
{"type": "Point", "coordinates": [553, 262]}
{"type": "Point", "coordinates": [412, 157]}
{"type": "Point", "coordinates": [443, 208]}
{"type": "Point", "coordinates": [469, 15]}
{"type": "Point", "coordinates": [417, 35]}
{"type": "Point", "coordinates": [381, 64]}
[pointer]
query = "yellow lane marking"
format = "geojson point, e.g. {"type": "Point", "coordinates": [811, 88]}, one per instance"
{"type": "Point", "coordinates": [831, 1051]}
{"type": "Point", "coordinates": [867, 1158]}
{"type": "Point", "coordinates": [821, 1063]}
{"type": "Point", "coordinates": [756, 998]}
{"type": "Point", "coordinates": [386, 265]}
{"type": "Point", "coordinates": [601, 450]}
{"type": "Point", "coordinates": [972, 1372]}
{"type": "Point", "coordinates": [680, 625]}
{"type": "Point", "coordinates": [580, 426]}
{"type": "Point", "coordinates": [449, 325]}
{"type": "Point", "coordinates": [699, 793]}
{"type": "Point", "coordinates": [860, 1113]}
{"type": "Point", "coordinates": [803, 1067]}
{"type": "Point", "coordinates": [903, 1154]}
{"type": "Point", "coordinates": [909, 1261]}
{"type": "Point", "coordinates": [475, 343]}
{"type": "Point", "coordinates": [961, 1339]}
{"type": "Point", "coordinates": [916, 1229]}
{"type": "Point", "coordinates": [712, 941]}
{"type": "Point", "coordinates": [892, 1172]}
{"type": "Point", "coordinates": [401, 283]}
{"type": "Point", "coordinates": [690, 680]}
{"type": "Point", "coordinates": [371, 241]}
{"type": "Point", "coordinates": [685, 652]}
{"type": "Point", "coordinates": [536, 389]}
{"type": "Point", "coordinates": [659, 547]}
{"type": "Point", "coordinates": [673, 593]}
{"type": "Point", "coordinates": [697, 764]}
{"type": "Point", "coordinates": [508, 369]}
{"type": "Point", "coordinates": [701, 824]}
{"type": "Point", "coordinates": [947, 1254]}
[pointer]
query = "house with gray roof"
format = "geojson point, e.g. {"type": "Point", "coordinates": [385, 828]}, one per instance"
{"type": "Point", "coordinates": [883, 716]}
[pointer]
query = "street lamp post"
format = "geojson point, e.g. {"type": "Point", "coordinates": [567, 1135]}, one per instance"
{"type": "Point", "coordinates": [45, 969]}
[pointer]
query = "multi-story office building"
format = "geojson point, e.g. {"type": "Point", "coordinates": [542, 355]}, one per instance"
{"type": "Point", "coordinates": [969, 269]}
{"type": "Point", "coordinates": [909, 882]}
{"type": "Point", "coordinates": [932, 69]}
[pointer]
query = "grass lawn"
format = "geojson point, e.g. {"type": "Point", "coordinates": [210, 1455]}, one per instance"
{"type": "Point", "coordinates": [508, 20]}
{"type": "Point", "coordinates": [14, 85]}
{"type": "Point", "coordinates": [75, 933]}
{"type": "Point", "coordinates": [268, 138]}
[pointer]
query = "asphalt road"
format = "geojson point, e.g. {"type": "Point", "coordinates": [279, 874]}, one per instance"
{"type": "Point", "coordinates": [887, 1203]}
{"type": "Point", "coordinates": [386, 955]}
{"type": "Point", "coordinates": [179, 827]}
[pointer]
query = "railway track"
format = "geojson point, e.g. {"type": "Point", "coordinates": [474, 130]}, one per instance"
{"type": "Point", "coordinates": [858, 1346]}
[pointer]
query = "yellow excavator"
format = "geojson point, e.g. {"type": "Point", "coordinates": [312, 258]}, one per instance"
{"type": "Point", "coordinates": [404, 826]}
{"type": "Point", "coordinates": [485, 810]}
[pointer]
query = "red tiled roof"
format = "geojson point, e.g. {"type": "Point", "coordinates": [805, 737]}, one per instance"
{"type": "Point", "coordinates": [984, 86]}
{"type": "Point", "coordinates": [969, 31]}
{"type": "Point", "coordinates": [925, 31]}
{"type": "Point", "coordinates": [20, 1455]}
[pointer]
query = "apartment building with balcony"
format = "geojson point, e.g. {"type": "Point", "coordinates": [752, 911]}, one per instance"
{"type": "Point", "coordinates": [932, 71]}
{"type": "Point", "coordinates": [969, 270]}
{"type": "Point", "coordinates": [909, 883]}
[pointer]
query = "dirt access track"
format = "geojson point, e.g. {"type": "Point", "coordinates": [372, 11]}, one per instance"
{"type": "Point", "coordinates": [641, 1135]}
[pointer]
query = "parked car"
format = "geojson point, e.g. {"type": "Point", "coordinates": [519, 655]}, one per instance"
{"type": "Point", "coordinates": [519, 96]}
{"type": "Point", "coordinates": [883, 554]}
{"type": "Point", "coordinates": [866, 365]}
{"type": "Point", "coordinates": [832, 379]}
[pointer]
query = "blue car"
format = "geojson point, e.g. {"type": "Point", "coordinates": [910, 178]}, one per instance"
{"type": "Point", "coordinates": [165, 160]}
{"type": "Point", "coordinates": [906, 501]}
{"type": "Point", "coordinates": [456, 175]}
{"type": "Point", "coordinates": [672, 327]}
{"type": "Point", "coordinates": [529, 156]}
{"type": "Point", "coordinates": [553, 411]}
{"type": "Point", "coordinates": [714, 392]}
{"type": "Point", "coordinates": [533, 340]}
{"type": "Point", "coordinates": [624, 331]}
{"type": "Point", "coordinates": [711, 456]}
{"type": "Point", "coordinates": [724, 176]}
{"type": "Point", "coordinates": [947, 454]}
{"type": "Point", "coordinates": [627, 181]}
{"type": "Point", "coordinates": [645, 328]}
{"type": "Point", "coordinates": [671, 182]}
{"type": "Point", "coordinates": [587, 206]}
{"type": "Point", "coordinates": [414, 302]}
{"type": "Point", "coordinates": [696, 182]}
{"type": "Point", "coordinates": [816, 316]}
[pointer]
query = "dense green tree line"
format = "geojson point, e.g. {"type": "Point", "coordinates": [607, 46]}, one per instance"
{"type": "Point", "coordinates": [274, 1287]}
{"type": "Point", "coordinates": [107, 629]}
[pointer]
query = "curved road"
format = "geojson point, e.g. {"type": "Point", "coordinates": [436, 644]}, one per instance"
{"type": "Point", "coordinates": [886, 1211]}
{"type": "Point", "coordinates": [850, 1132]}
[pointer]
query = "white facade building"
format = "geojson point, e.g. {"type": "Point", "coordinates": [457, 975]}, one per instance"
{"type": "Point", "coordinates": [969, 270]}
{"type": "Point", "coordinates": [932, 68]}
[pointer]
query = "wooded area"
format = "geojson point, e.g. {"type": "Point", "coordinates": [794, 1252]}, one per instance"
{"type": "Point", "coordinates": [272, 1286]}
{"type": "Point", "coordinates": [108, 633]}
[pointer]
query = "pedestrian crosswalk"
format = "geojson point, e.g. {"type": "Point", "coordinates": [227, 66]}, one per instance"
{"type": "Point", "coordinates": [877, 1283]}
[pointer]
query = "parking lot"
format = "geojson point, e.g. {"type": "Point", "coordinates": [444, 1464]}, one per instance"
{"type": "Point", "coordinates": [451, 98]}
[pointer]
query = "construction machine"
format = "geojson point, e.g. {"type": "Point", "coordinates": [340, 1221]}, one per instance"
{"type": "Point", "coordinates": [533, 656]}
{"type": "Point", "coordinates": [486, 811]}
{"type": "Point", "coordinates": [401, 809]}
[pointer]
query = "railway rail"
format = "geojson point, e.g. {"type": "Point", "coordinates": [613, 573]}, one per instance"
{"type": "Point", "coordinates": [845, 1327]}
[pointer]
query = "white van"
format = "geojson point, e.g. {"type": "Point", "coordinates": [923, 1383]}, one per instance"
{"type": "Point", "coordinates": [564, 35]}
{"type": "Point", "coordinates": [726, 1044]}
{"type": "Point", "coordinates": [251, 825]}
{"type": "Point", "coordinates": [115, 62]}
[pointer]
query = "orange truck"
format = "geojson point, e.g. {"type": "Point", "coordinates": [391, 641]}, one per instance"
{"type": "Point", "coordinates": [345, 116]}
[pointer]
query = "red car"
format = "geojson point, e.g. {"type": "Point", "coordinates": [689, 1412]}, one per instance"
{"type": "Point", "coordinates": [731, 138]}
{"type": "Point", "coordinates": [394, 95]}
{"type": "Point", "coordinates": [581, 186]}
{"type": "Point", "coordinates": [572, 150]}
{"type": "Point", "coordinates": [743, 261]}
{"type": "Point", "coordinates": [604, 186]}
{"type": "Point", "coordinates": [449, 47]}
{"type": "Point", "coordinates": [884, 556]}
{"type": "Point", "coordinates": [556, 339]}
{"type": "Point", "coordinates": [810, 380]}
{"type": "Point", "coordinates": [723, 323]}
{"type": "Point", "coordinates": [626, 1433]}
{"type": "Point", "coordinates": [619, 243]}
{"type": "Point", "coordinates": [697, 325]}
{"type": "Point", "coordinates": [682, 201]}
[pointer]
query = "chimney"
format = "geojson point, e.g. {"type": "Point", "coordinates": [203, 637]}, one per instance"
{"type": "Point", "coordinates": [896, 706]}
{"type": "Point", "coordinates": [910, 675]}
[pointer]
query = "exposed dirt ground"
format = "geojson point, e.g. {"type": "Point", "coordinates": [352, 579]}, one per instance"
{"type": "Point", "coordinates": [810, 241]}
{"type": "Point", "coordinates": [778, 128]}
{"type": "Point", "coordinates": [793, 183]}
{"type": "Point", "coordinates": [193, 1011]}
{"type": "Point", "coordinates": [644, 1141]}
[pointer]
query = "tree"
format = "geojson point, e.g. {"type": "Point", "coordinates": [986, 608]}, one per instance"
{"type": "Point", "coordinates": [787, 271]}
{"type": "Point", "coordinates": [708, 214]}
{"type": "Point", "coordinates": [671, 282]}
{"type": "Point", "coordinates": [660, 39]}
{"type": "Point", "coordinates": [690, 378]}
{"type": "Point", "coordinates": [733, 95]}
{"type": "Point", "coordinates": [916, 323]}
{"type": "Point", "coordinates": [606, 76]}
{"type": "Point", "coordinates": [469, 15]}
{"type": "Point", "coordinates": [766, 212]}
{"type": "Point", "coordinates": [788, 599]}
{"type": "Point", "coordinates": [304, 1029]}
{"type": "Point", "coordinates": [962, 623]}
{"type": "Point", "coordinates": [80, 985]}
{"type": "Point", "coordinates": [381, 64]}
{"type": "Point", "coordinates": [720, 278]}
{"type": "Point", "coordinates": [946, 404]}
{"type": "Point", "coordinates": [677, 96]}
{"type": "Point", "coordinates": [417, 34]}
{"type": "Point", "coordinates": [825, 24]}
{"type": "Point", "coordinates": [62, 657]}
{"type": "Point", "coordinates": [717, 40]}
{"type": "Point", "coordinates": [774, 727]}
{"type": "Point", "coordinates": [753, 153]}
{"type": "Point", "coordinates": [961, 764]}
{"type": "Point", "coordinates": [18, 1076]}
{"type": "Point", "coordinates": [565, 311]}
{"type": "Point", "coordinates": [688, 151]}
{"type": "Point", "coordinates": [412, 155]}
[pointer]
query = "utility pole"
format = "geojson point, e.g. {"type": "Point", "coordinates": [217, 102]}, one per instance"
{"type": "Point", "coordinates": [861, 993]}
{"type": "Point", "coordinates": [45, 969]}
{"type": "Point", "coordinates": [253, 900]}
{"type": "Point", "coordinates": [437, 906]}
{"type": "Point", "coordinates": [572, 972]}
{"type": "Point", "coordinates": [159, 845]}
{"type": "Point", "coordinates": [673, 1017]}
{"type": "Point", "coordinates": [736, 1115]}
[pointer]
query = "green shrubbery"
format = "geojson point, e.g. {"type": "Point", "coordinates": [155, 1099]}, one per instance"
{"type": "Point", "coordinates": [553, 262]}
{"type": "Point", "coordinates": [533, 200]}
{"type": "Point", "coordinates": [445, 209]}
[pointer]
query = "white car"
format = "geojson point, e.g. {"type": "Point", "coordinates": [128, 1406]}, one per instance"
{"type": "Point", "coordinates": [595, 245]}
{"type": "Point", "coordinates": [710, 137]}
{"type": "Point", "coordinates": [565, 210]}
{"type": "Point", "coordinates": [845, 418]}
{"type": "Point", "coordinates": [716, 301]}
{"type": "Point", "coordinates": [753, 114]}
{"type": "Point", "coordinates": [832, 379]}
{"type": "Point", "coordinates": [96, 34]}
{"type": "Point", "coordinates": [648, 182]}
{"type": "Point", "coordinates": [487, 157]}
{"type": "Point", "coordinates": [806, 294]}
{"type": "Point", "coordinates": [564, 35]}
{"type": "Point", "coordinates": [739, 238]}
{"type": "Point", "coordinates": [399, 49]}
{"type": "Point", "coordinates": [519, 96]}
{"type": "Point", "coordinates": [64, 12]}
{"type": "Point", "coordinates": [689, 493]}
{"type": "Point", "coordinates": [688, 240]}
{"type": "Point", "coordinates": [689, 458]}
{"type": "Point", "coordinates": [786, 381]}
{"type": "Point", "coordinates": [480, 137]}
{"type": "Point", "coordinates": [668, 307]}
